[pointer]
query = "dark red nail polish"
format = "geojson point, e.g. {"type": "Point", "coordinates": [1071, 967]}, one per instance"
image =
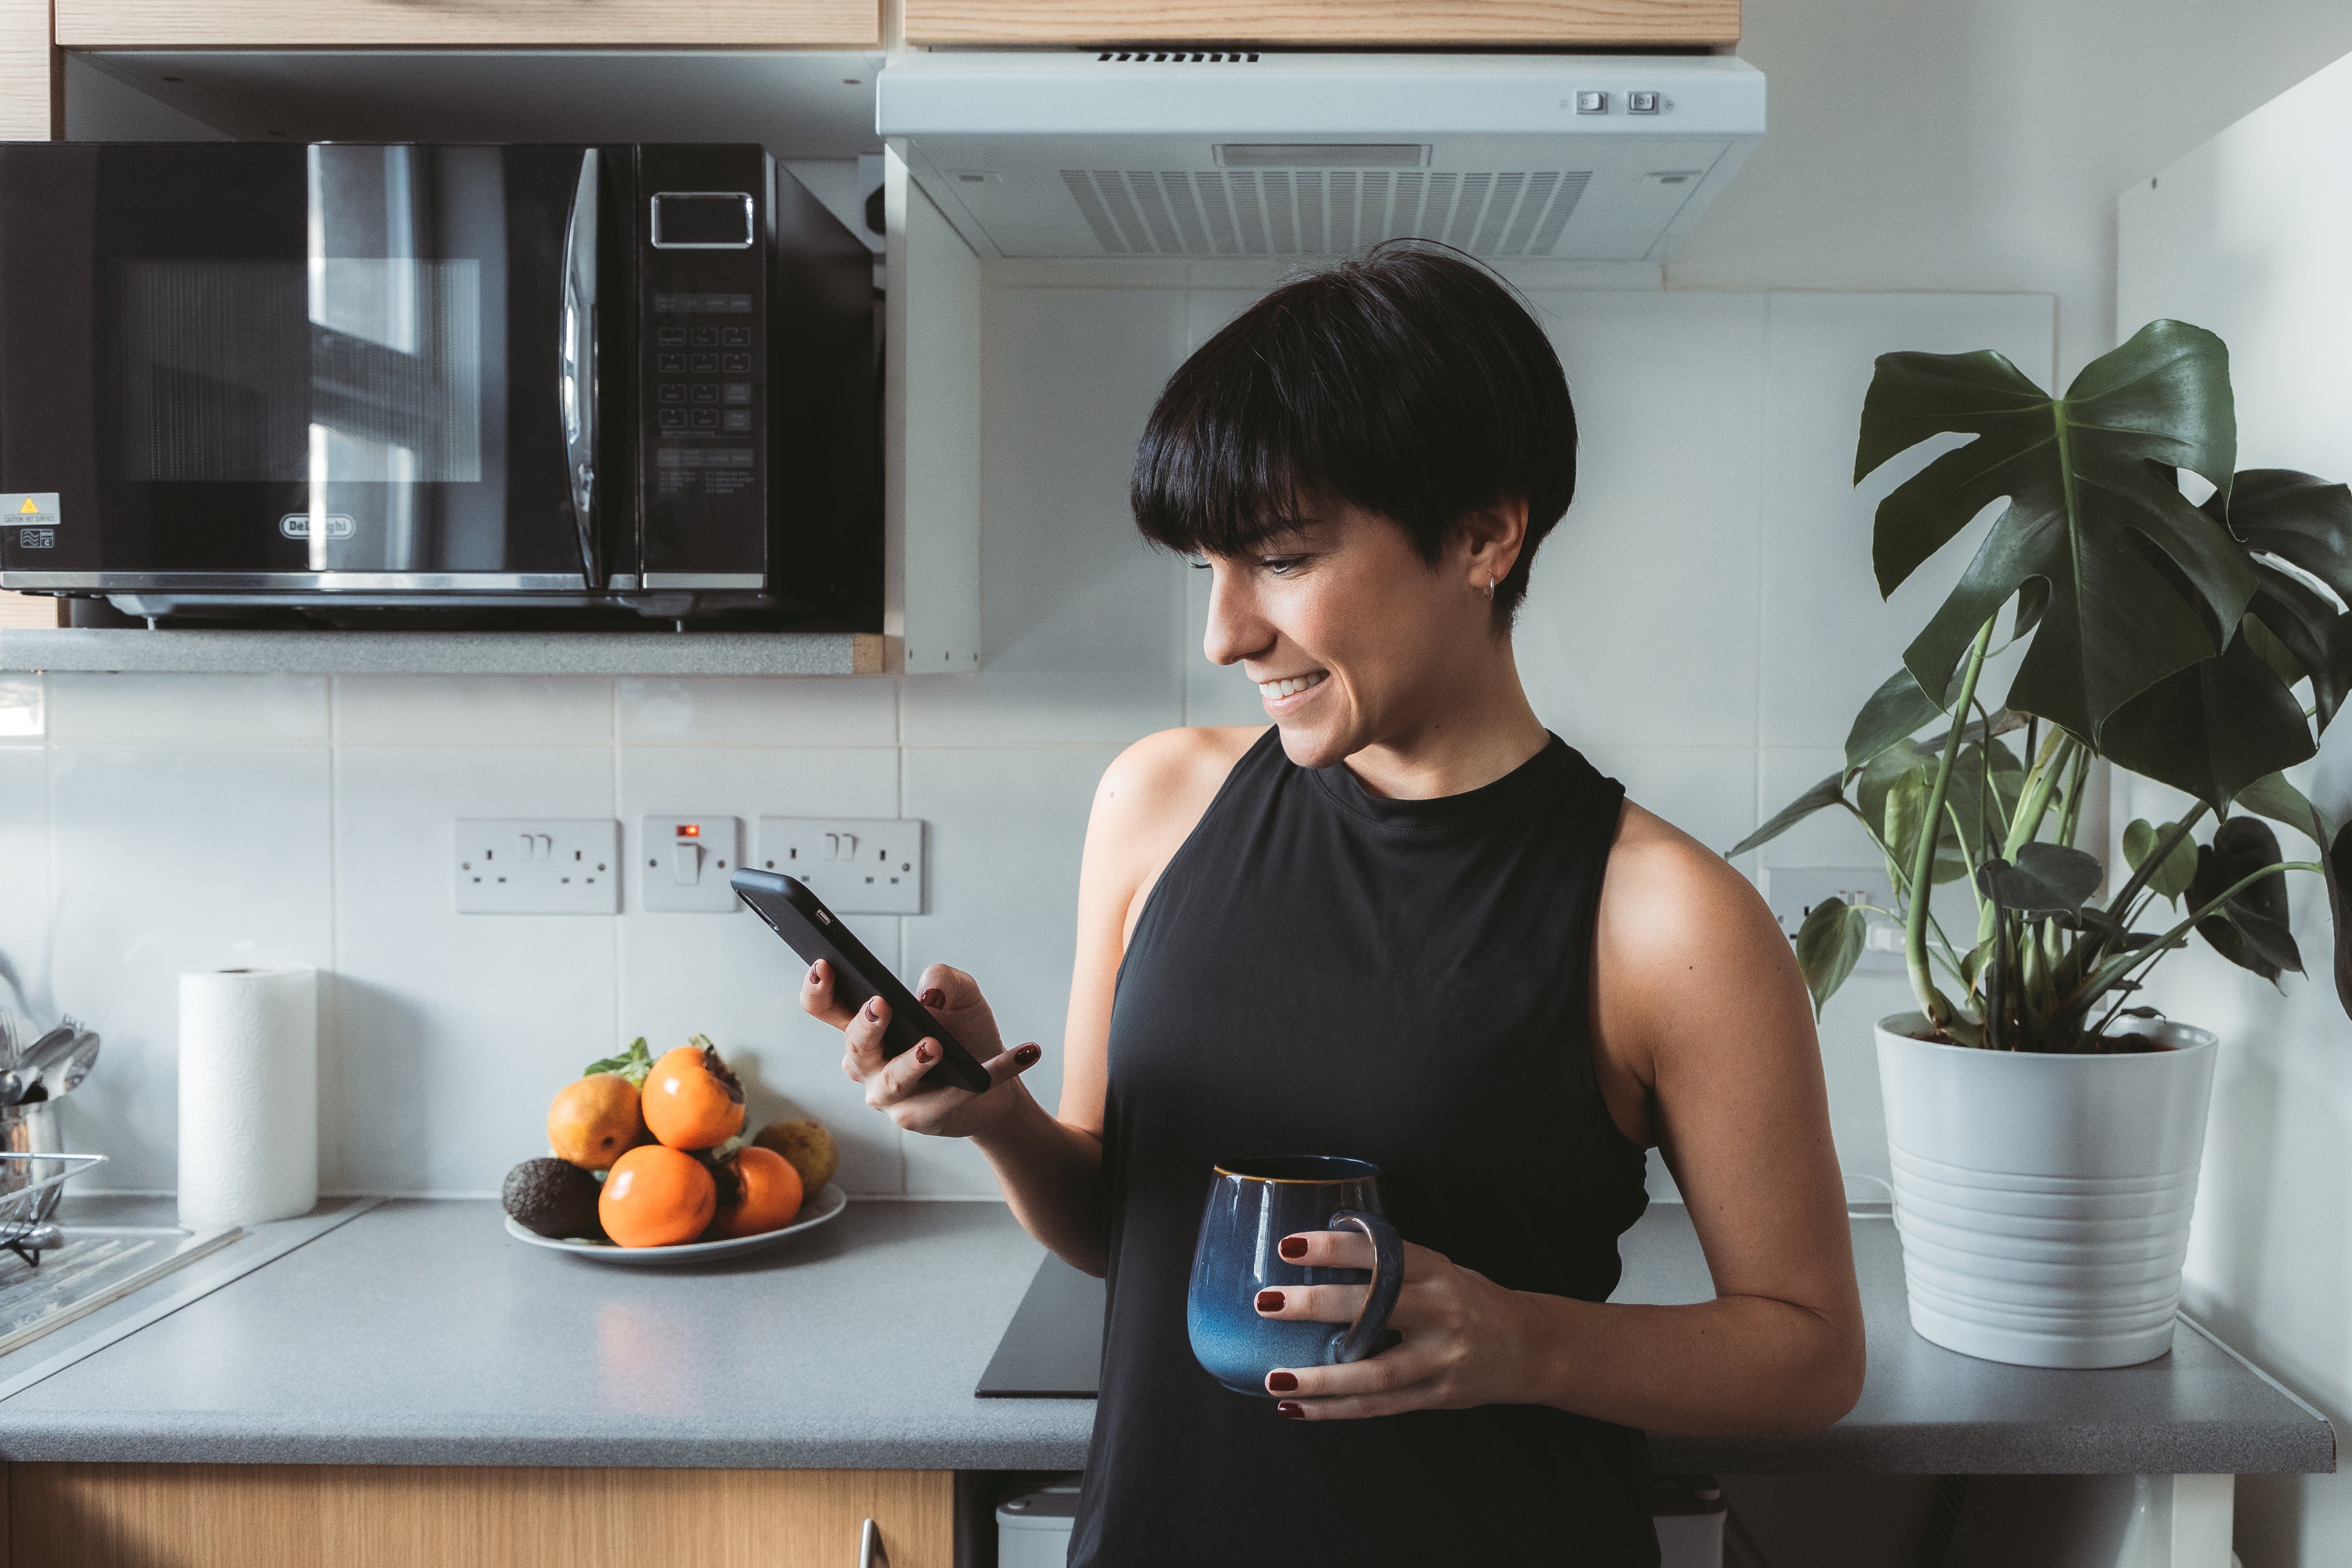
{"type": "Point", "coordinates": [1281, 1382]}
{"type": "Point", "coordinates": [1290, 1409]}
{"type": "Point", "coordinates": [1270, 1301]}
{"type": "Point", "coordinates": [1293, 1246]}
{"type": "Point", "coordinates": [926, 1052]}
{"type": "Point", "coordinates": [933, 997]}
{"type": "Point", "coordinates": [1027, 1054]}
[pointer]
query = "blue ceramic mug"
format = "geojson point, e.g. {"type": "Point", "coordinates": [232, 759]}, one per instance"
{"type": "Point", "coordinates": [1252, 1205]}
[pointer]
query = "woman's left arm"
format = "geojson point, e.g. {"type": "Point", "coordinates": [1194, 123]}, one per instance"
{"type": "Point", "coordinates": [1705, 1039]}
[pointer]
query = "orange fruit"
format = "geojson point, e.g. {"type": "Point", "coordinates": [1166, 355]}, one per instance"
{"type": "Point", "coordinates": [594, 1120]}
{"type": "Point", "coordinates": [657, 1197]}
{"type": "Point", "coordinates": [692, 1101]}
{"type": "Point", "coordinates": [760, 1190]}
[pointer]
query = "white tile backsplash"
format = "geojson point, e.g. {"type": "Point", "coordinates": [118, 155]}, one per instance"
{"type": "Point", "coordinates": [1008, 828]}
{"type": "Point", "coordinates": [756, 710]}
{"type": "Point", "coordinates": [171, 858]}
{"type": "Point", "coordinates": [1639, 627]}
{"type": "Point", "coordinates": [453, 1032]}
{"type": "Point", "coordinates": [473, 710]}
{"type": "Point", "coordinates": [204, 710]}
{"type": "Point", "coordinates": [24, 709]}
{"type": "Point", "coordinates": [1703, 625]}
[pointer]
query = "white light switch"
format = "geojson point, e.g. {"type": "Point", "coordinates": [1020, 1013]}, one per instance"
{"type": "Point", "coordinates": [686, 863]}
{"type": "Point", "coordinates": [505, 865]}
{"type": "Point", "coordinates": [858, 865]}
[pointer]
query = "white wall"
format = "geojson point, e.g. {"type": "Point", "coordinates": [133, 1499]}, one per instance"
{"type": "Point", "coordinates": [2249, 235]}
{"type": "Point", "coordinates": [1979, 144]}
{"type": "Point", "coordinates": [1703, 625]}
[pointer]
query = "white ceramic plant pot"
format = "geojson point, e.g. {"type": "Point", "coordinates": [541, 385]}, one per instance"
{"type": "Point", "coordinates": [2043, 1202]}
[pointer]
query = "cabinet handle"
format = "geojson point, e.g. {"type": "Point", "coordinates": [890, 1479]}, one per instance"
{"type": "Point", "coordinates": [869, 1547]}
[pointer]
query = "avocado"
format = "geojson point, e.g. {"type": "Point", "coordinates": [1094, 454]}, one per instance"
{"type": "Point", "coordinates": [553, 1198]}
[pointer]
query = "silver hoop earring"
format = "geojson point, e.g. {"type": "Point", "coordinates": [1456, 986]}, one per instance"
{"type": "Point", "coordinates": [1490, 585]}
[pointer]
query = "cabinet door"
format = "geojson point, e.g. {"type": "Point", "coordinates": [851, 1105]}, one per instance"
{"type": "Point", "coordinates": [1316, 23]}
{"type": "Point", "coordinates": [303, 1516]}
{"type": "Point", "coordinates": [286, 24]}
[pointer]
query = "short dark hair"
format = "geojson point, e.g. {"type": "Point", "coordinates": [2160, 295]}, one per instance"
{"type": "Point", "coordinates": [1411, 382]}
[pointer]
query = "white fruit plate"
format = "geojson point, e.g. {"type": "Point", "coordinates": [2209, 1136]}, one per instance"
{"type": "Point", "coordinates": [828, 1204]}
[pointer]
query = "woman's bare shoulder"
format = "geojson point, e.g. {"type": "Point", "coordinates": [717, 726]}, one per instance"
{"type": "Point", "coordinates": [1668, 899]}
{"type": "Point", "coordinates": [1172, 774]}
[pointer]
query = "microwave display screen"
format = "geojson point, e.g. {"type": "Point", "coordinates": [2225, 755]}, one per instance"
{"type": "Point", "coordinates": [702, 220]}
{"type": "Point", "coordinates": [350, 369]}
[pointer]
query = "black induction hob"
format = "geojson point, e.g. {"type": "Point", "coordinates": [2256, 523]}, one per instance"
{"type": "Point", "coordinates": [1052, 1347]}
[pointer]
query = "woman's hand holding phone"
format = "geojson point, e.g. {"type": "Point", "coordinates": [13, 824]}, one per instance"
{"type": "Point", "coordinates": [894, 1085]}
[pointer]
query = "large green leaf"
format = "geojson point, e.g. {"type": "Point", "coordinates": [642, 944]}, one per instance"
{"type": "Point", "coordinates": [2250, 930]}
{"type": "Point", "coordinates": [1897, 711]}
{"type": "Point", "coordinates": [2213, 728]}
{"type": "Point", "coordinates": [2087, 476]}
{"type": "Point", "coordinates": [1830, 791]}
{"type": "Point", "coordinates": [2171, 879]}
{"type": "Point", "coordinates": [1828, 942]}
{"type": "Point", "coordinates": [2047, 879]}
{"type": "Point", "coordinates": [2305, 522]}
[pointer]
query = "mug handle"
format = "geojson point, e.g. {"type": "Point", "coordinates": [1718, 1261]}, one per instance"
{"type": "Point", "coordinates": [1363, 1336]}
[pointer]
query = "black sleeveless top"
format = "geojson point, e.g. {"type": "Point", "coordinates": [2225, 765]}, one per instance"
{"type": "Point", "coordinates": [1320, 970]}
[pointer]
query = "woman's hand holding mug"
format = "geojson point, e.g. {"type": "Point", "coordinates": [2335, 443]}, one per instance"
{"type": "Point", "coordinates": [894, 1085]}
{"type": "Point", "coordinates": [1466, 1340]}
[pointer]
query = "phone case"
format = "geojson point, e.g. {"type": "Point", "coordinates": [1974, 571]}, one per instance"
{"type": "Point", "coordinates": [810, 929]}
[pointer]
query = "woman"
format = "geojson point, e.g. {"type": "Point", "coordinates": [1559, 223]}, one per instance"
{"type": "Point", "coordinates": [1408, 925]}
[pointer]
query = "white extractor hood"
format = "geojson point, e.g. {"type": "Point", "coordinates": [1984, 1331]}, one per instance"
{"type": "Point", "coordinates": [1567, 157]}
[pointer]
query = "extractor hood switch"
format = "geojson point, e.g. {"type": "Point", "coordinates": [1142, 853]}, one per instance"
{"type": "Point", "coordinates": [1641, 103]}
{"type": "Point", "coordinates": [686, 863]}
{"type": "Point", "coordinates": [1592, 104]}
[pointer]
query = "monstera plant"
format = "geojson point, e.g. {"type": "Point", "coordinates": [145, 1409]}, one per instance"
{"type": "Point", "coordinates": [2205, 647]}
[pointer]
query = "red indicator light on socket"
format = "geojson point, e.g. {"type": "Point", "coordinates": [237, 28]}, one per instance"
{"type": "Point", "coordinates": [690, 830]}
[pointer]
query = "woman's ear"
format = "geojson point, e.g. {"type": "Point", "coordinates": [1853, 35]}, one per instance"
{"type": "Point", "coordinates": [1493, 537]}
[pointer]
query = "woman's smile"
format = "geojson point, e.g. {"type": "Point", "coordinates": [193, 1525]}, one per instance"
{"type": "Point", "coordinates": [1283, 694]}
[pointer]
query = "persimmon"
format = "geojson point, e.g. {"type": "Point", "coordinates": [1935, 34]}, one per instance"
{"type": "Point", "coordinates": [594, 1120]}
{"type": "Point", "coordinates": [657, 1197]}
{"type": "Point", "coordinates": [691, 1099]}
{"type": "Point", "coordinates": [759, 1191]}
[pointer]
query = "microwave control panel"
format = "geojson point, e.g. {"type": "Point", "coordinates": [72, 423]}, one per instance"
{"type": "Point", "coordinates": [702, 346]}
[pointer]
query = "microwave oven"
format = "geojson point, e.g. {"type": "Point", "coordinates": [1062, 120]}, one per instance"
{"type": "Point", "coordinates": [378, 383]}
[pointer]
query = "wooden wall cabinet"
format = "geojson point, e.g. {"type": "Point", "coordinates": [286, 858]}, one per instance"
{"type": "Point", "coordinates": [306, 1516]}
{"type": "Point", "coordinates": [307, 23]}
{"type": "Point", "coordinates": [1320, 23]}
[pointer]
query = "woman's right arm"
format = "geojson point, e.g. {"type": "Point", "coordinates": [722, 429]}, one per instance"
{"type": "Point", "coordinates": [1050, 1166]}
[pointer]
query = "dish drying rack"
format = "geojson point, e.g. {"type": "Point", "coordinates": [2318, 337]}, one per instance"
{"type": "Point", "coordinates": [23, 1228]}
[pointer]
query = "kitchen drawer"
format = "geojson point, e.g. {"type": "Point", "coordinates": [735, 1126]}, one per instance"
{"type": "Point", "coordinates": [303, 1516]}
{"type": "Point", "coordinates": [1316, 23]}
{"type": "Point", "coordinates": [294, 24]}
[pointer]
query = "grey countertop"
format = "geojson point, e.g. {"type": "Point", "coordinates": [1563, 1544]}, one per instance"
{"type": "Point", "coordinates": [655, 651]}
{"type": "Point", "coordinates": [420, 1333]}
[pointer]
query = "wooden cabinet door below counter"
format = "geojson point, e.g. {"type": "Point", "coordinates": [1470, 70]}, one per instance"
{"type": "Point", "coordinates": [299, 24]}
{"type": "Point", "coordinates": [1312, 24]}
{"type": "Point", "coordinates": [351, 1516]}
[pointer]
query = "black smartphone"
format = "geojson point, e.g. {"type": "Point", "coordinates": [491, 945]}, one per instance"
{"type": "Point", "coordinates": [810, 929]}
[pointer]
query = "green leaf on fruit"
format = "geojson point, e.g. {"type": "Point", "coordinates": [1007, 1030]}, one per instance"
{"type": "Point", "coordinates": [633, 1064]}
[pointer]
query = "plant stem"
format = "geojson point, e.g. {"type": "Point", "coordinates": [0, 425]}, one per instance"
{"type": "Point", "coordinates": [2035, 803]}
{"type": "Point", "coordinates": [2120, 966]}
{"type": "Point", "coordinates": [1931, 830]}
{"type": "Point", "coordinates": [2157, 856]}
{"type": "Point", "coordinates": [2070, 815]}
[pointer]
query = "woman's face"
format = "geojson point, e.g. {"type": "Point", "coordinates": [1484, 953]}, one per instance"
{"type": "Point", "coordinates": [1352, 638]}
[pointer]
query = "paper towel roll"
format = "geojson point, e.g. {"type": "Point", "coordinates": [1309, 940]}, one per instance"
{"type": "Point", "coordinates": [248, 1095]}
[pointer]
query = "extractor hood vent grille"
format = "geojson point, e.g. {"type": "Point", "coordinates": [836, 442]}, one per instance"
{"type": "Point", "coordinates": [1318, 212]}
{"type": "Point", "coordinates": [1173, 57]}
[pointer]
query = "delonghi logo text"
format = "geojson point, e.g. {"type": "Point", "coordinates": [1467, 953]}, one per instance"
{"type": "Point", "coordinates": [297, 525]}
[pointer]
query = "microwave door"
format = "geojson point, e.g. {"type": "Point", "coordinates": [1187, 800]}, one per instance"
{"type": "Point", "coordinates": [322, 368]}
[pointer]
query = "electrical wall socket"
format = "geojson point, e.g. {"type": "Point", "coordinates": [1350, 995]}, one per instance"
{"type": "Point", "coordinates": [683, 864]}
{"type": "Point", "coordinates": [858, 866]}
{"type": "Point", "coordinates": [1793, 890]}
{"type": "Point", "coordinates": [537, 865]}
